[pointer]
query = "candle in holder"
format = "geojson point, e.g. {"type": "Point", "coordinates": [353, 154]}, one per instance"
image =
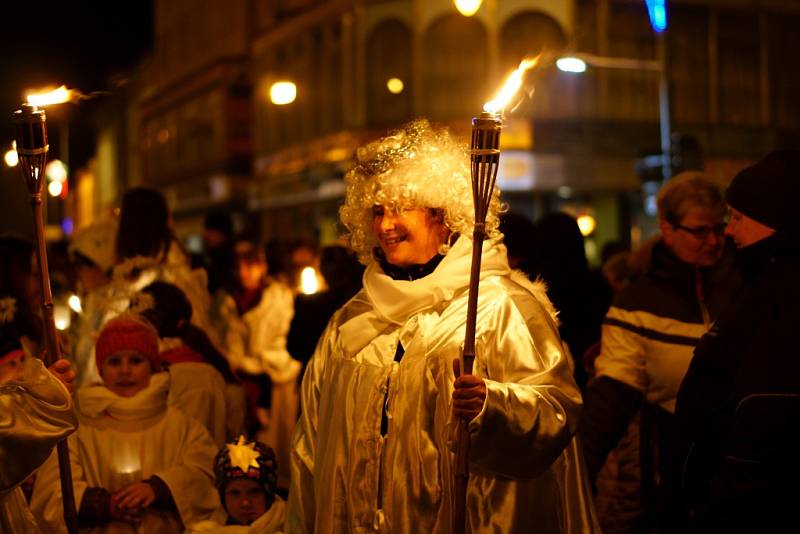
{"type": "Point", "coordinates": [127, 471]}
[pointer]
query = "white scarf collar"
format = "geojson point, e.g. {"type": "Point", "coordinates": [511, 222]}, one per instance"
{"type": "Point", "coordinates": [95, 400]}
{"type": "Point", "coordinates": [395, 301]}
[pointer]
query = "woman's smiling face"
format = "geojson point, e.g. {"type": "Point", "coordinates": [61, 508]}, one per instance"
{"type": "Point", "coordinates": [410, 236]}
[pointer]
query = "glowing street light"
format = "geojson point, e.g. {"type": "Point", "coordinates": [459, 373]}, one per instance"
{"type": "Point", "coordinates": [55, 188]}
{"type": "Point", "coordinates": [571, 64]}
{"type": "Point", "coordinates": [11, 157]}
{"type": "Point", "coordinates": [578, 63]}
{"type": "Point", "coordinates": [395, 85]}
{"type": "Point", "coordinates": [468, 7]}
{"type": "Point", "coordinates": [282, 93]}
{"type": "Point", "coordinates": [56, 171]}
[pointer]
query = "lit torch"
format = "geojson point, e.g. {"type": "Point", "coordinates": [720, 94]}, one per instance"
{"type": "Point", "coordinates": [46, 98]}
{"type": "Point", "coordinates": [485, 160]}
{"type": "Point", "coordinates": [32, 147]}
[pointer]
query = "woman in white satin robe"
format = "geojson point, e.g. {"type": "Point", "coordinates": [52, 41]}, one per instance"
{"type": "Point", "coordinates": [373, 450]}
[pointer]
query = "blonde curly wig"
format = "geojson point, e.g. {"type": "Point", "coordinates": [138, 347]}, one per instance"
{"type": "Point", "coordinates": [416, 166]}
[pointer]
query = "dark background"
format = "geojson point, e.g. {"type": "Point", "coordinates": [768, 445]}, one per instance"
{"type": "Point", "coordinates": [81, 44]}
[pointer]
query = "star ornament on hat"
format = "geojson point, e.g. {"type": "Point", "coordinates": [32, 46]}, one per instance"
{"type": "Point", "coordinates": [243, 455]}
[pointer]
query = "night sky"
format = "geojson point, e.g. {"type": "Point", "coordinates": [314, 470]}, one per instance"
{"type": "Point", "coordinates": [79, 44]}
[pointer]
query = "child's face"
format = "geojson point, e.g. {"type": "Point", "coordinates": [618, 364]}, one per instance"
{"type": "Point", "coordinates": [126, 373]}
{"type": "Point", "coordinates": [245, 500]}
{"type": "Point", "coordinates": [251, 273]}
{"type": "Point", "coordinates": [11, 367]}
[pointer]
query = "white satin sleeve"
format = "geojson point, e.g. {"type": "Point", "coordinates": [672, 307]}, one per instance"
{"type": "Point", "coordinates": [35, 414]}
{"type": "Point", "coordinates": [532, 402]}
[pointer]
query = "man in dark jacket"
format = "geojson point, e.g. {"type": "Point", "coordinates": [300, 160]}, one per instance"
{"type": "Point", "coordinates": [739, 403]}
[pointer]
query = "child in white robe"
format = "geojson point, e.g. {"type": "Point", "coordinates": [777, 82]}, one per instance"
{"type": "Point", "coordinates": [137, 464]}
{"type": "Point", "coordinates": [247, 481]}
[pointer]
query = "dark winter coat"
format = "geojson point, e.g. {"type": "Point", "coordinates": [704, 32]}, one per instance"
{"type": "Point", "coordinates": [739, 403]}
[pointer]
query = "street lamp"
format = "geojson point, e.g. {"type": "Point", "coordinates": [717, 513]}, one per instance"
{"type": "Point", "coordinates": [282, 93]}
{"type": "Point", "coordinates": [657, 12]}
{"type": "Point", "coordinates": [468, 7]}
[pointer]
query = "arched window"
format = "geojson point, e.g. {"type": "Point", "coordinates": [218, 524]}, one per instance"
{"type": "Point", "coordinates": [455, 68]}
{"type": "Point", "coordinates": [389, 58]}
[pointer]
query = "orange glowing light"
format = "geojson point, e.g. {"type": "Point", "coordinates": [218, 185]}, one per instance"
{"type": "Point", "coordinates": [47, 98]}
{"type": "Point", "coordinates": [510, 88]}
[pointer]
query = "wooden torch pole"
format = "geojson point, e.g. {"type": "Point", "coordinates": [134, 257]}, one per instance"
{"type": "Point", "coordinates": [484, 159]}
{"type": "Point", "coordinates": [32, 147]}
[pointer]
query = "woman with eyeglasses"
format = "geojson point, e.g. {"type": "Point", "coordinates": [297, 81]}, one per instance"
{"type": "Point", "coordinates": [648, 337]}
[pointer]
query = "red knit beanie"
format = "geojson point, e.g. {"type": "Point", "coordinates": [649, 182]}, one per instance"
{"type": "Point", "coordinates": [127, 332]}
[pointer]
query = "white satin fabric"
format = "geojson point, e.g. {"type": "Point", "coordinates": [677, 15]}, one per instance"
{"type": "Point", "coordinates": [526, 474]}
{"type": "Point", "coordinates": [35, 414]}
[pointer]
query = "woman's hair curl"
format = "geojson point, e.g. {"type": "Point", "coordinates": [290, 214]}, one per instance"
{"type": "Point", "coordinates": [416, 166]}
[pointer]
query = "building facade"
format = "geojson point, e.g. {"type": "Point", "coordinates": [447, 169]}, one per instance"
{"type": "Point", "coordinates": [207, 133]}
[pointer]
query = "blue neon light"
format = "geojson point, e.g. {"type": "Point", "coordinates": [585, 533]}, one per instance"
{"type": "Point", "coordinates": [67, 225]}
{"type": "Point", "coordinates": [657, 10]}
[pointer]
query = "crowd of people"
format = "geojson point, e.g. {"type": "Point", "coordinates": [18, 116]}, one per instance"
{"type": "Point", "coordinates": [204, 393]}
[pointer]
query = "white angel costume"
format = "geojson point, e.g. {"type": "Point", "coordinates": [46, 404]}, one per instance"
{"type": "Point", "coordinates": [526, 473]}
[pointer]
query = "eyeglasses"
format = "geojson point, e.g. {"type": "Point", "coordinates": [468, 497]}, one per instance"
{"type": "Point", "coordinates": [702, 232]}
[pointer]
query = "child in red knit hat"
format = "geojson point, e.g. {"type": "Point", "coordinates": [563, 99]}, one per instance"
{"type": "Point", "coordinates": [135, 459]}
{"type": "Point", "coordinates": [127, 354]}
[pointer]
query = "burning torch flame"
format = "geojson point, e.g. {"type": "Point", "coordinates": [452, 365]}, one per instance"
{"type": "Point", "coordinates": [510, 88]}
{"type": "Point", "coordinates": [56, 96]}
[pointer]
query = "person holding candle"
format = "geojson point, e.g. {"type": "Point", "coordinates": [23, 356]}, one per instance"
{"type": "Point", "coordinates": [137, 464]}
{"type": "Point", "coordinates": [373, 449]}
{"type": "Point", "coordinates": [35, 414]}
